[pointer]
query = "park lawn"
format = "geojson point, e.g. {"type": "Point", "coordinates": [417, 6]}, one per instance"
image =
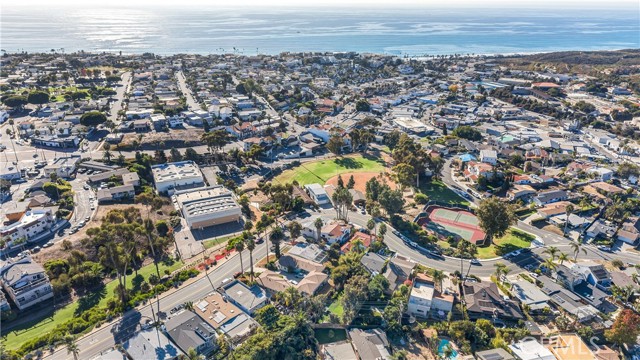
{"type": "Point", "coordinates": [40, 327]}
{"type": "Point", "coordinates": [217, 241]}
{"type": "Point", "coordinates": [322, 170]}
{"type": "Point", "coordinates": [513, 240]}
{"type": "Point", "coordinates": [438, 191]}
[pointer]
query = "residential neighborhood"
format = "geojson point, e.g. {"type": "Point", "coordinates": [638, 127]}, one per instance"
{"type": "Point", "coordinates": [319, 206]}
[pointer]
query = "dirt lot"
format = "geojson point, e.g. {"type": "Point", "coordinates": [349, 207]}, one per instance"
{"type": "Point", "coordinates": [171, 139]}
{"type": "Point", "coordinates": [56, 251]}
{"type": "Point", "coordinates": [361, 179]}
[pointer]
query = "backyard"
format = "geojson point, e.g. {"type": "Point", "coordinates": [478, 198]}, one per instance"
{"type": "Point", "coordinates": [36, 328]}
{"type": "Point", "coordinates": [322, 170]}
{"type": "Point", "coordinates": [513, 240]}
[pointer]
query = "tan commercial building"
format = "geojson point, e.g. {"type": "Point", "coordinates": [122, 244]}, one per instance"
{"type": "Point", "coordinates": [207, 207]}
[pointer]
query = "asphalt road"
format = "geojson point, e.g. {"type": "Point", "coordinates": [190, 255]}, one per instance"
{"type": "Point", "coordinates": [191, 101]}
{"type": "Point", "coordinates": [118, 331]}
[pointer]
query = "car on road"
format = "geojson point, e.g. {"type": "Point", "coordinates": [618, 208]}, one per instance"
{"type": "Point", "coordinates": [177, 308]}
{"type": "Point", "coordinates": [147, 325]}
{"type": "Point", "coordinates": [61, 232]}
{"type": "Point", "coordinates": [412, 244]}
{"type": "Point", "coordinates": [86, 186]}
{"type": "Point", "coordinates": [604, 248]}
{"type": "Point", "coordinates": [259, 240]}
{"type": "Point", "coordinates": [87, 218]}
{"type": "Point", "coordinates": [36, 249]}
{"type": "Point", "coordinates": [48, 244]}
{"type": "Point", "coordinates": [475, 262]}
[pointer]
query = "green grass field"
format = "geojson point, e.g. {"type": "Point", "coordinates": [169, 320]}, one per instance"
{"type": "Point", "coordinates": [336, 308]}
{"type": "Point", "coordinates": [513, 240]}
{"type": "Point", "coordinates": [35, 329]}
{"type": "Point", "coordinates": [438, 191]}
{"type": "Point", "coordinates": [322, 170]}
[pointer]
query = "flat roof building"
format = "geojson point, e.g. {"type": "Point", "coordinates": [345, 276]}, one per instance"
{"type": "Point", "coordinates": [207, 207]}
{"type": "Point", "coordinates": [176, 176]}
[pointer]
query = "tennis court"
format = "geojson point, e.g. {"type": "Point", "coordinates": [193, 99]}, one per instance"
{"type": "Point", "coordinates": [453, 222]}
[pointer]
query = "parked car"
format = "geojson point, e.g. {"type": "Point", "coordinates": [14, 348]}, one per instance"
{"type": "Point", "coordinates": [475, 262]}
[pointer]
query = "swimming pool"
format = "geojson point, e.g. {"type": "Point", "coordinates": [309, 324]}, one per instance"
{"type": "Point", "coordinates": [443, 345]}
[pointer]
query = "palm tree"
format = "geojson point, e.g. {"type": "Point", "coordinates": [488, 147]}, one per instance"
{"type": "Point", "coordinates": [250, 244]}
{"type": "Point", "coordinates": [371, 225]}
{"type": "Point", "coordinates": [576, 246]}
{"type": "Point", "coordinates": [501, 269]}
{"type": "Point", "coordinates": [568, 211]}
{"type": "Point", "coordinates": [238, 245]}
{"type": "Point", "coordinates": [318, 225]}
{"type": "Point", "coordinates": [188, 305]}
{"type": "Point", "coordinates": [549, 265]}
{"type": "Point", "coordinates": [382, 230]}
{"type": "Point", "coordinates": [552, 251]}
{"type": "Point", "coordinates": [276, 237]}
{"type": "Point", "coordinates": [438, 276]}
{"type": "Point", "coordinates": [563, 257]}
{"type": "Point", "coordinates": [72, 347]}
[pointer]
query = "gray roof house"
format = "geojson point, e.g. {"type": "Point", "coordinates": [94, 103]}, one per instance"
{"type": "Point", "coordinates": [188, 330]}
{"type": "Point", "coordinates": [152, 345]}
{"type": "Point", "coordinates": [370, 344]}
{"type": "Point", "coordinates": [247, 299]}
{"type": "Point", "coordinates": [373, 262]}
{"type": "Point", "coordinates": [530, 295]}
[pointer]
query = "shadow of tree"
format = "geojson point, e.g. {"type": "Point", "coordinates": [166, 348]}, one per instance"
{"type": "Point", "coordinates": [90, 299]}
{"type": "Point", "coordinates": [126, 327]}
{"type": "Point", "coordinates": [348, 163]}
{"type": "Point", "coordinates": [136, 282]}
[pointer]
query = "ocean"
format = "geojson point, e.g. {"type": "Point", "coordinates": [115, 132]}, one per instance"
{"type": "Point", "coordinates": [411, 32]}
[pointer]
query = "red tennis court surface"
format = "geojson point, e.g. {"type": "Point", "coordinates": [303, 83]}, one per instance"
{"type": "Point", "coordinates": [453, 222]}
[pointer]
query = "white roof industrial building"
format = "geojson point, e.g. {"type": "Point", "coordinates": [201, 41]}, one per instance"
{"type": "Point", "coordinates": [177, 176]}
{"type": "Point", "coordinates": [207, 207]}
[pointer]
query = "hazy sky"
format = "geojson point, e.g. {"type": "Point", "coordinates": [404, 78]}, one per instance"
{"type": "Point", "coordinates": [630, 4]}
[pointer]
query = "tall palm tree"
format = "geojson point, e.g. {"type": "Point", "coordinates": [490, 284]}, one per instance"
{"type": "Point", "coordinates": [438, 276]}
{"type": "Point", "coordinates": [238, 245]}
{"type": "Point", "coordinates": [318, 225]}
{"type": "Point", "coordinates": [576, 246]}
{"type": "Point", "coordinates": [552, 251]}
{"type": "Point", "coordinates": [568, 211]}
{"type": "Point", "coordinates": [549, 265]}
{"type": "Point", "coordinates": [188, 305]}
{"type": "Point", "coordinates": [250, 244]}
{"type": "Point", "coordinates": [276, 237]}
{"type": "Point", "coordinates": [371, 225]}
{"type": "Point", "coordinates": [72, 347]}
{"type": "Point", "coordinates": [563, 257]}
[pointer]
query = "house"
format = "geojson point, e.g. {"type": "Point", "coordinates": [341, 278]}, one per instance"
{"type": "Point", "coordinates": [398, 271]}
{"type": "Point", "coordinates": [600, 229]}
{"type": "Point", "coordinates": [520, 192]}
{"type": "Point", "coordinates": [116, 193]}
{"type": "Point", "coordinates": [26, 282]}
{"type": "Point", "coordinates": [553, 209]}
{"type": "Point", "coordinates": [483, 300]}
{"type": "Point", "coordinates": [188, 330]}
{"type": "Point", "coordinates": [62, 167]}
{"type": "Point", "coordinates": [530, 295]}
{"type": "Point", "coordinates": [567, 301]}
{"type": "Point", "coordinates": [494, 354]}
{"type": "Point", "coordinates": [225, 317]}
{"type": "Point", "coordinates": [427, 302]}
{"type": "Point", "coordinates": [294, 264]}
{"type": "Point", "coordinates": [370, 344]}
{"type": "Point", "coordinates": [335, 232]}
{"type": "Point", "coordinates": [275, 282]}
{"type": "Point", "coordinates": [551, 196]}
{"type": "Point", "coordinates": [373, 262]}
{"type": "Point", "coordinates": [317, 193]}
{"type": "Point", "coordinates": [569, 277]}
{"type": "Point", "coordinates": [364, 239]}
{"type": "Point", "coordinates": [531, 349]}
{"type": "Point", "coordinates": [570, 347]}
{"type": "Point", "coordinates": [32, 224]}
{"type": "Point", "coordinates": [338, 351]}
{"type": "Point", "coordinates": [151, 344]}
{"type": "Point", "coordinates": [489, 157]}
{"type": "Point", "coordinates": [308, 251]}
{"type": "Point", "coordinates": [629, 232]}
{"type": "Point", "coordinates": [476, 169]}
{"type": "Point", "coordinates": [248, 299]}
{"type": "Point", "coordinates": [595, 274]}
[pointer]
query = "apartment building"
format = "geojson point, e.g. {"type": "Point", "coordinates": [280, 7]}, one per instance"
{"type": "Point", "coordinates": [207, 207]}
{"type": "Point", "coordinates": [26, 282]}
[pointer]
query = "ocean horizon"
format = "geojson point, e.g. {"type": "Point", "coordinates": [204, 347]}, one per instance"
{"type": "Point", "coordinates": [421, 31]}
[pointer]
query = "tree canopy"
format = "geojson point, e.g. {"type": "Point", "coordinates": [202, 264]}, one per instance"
{"type": "Point", "coordinates": [495, 216]}
{"type": "Point", "coordinates": [93, 118]}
